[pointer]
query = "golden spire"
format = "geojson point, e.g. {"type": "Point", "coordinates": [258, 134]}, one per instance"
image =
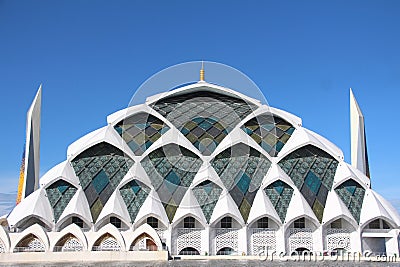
{"type": "Point", "coordinates": [202, 72]}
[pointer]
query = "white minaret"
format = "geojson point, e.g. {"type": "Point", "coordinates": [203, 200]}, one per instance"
{"type": "Point", "coordinates": [359, 155]}
{"type": "Point", "coordinates": [32, 147]}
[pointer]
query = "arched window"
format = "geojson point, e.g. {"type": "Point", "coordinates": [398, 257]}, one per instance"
{"type": "Point", "coordinates": [116, 222]}
{"type": "Point", "coordinates": [262, 222]}
{"type": "Point", "coordinates": [189, 251]}
{"type": "Point", "coordinates": [153, 222]}
{"type": "Point", "coordinates": [226, 222]}
{"type": "Point", "coordinates": [189, 222]}
{"type": "Point", "coordinates": [225, 251]}
{"type": "Point", "coordinates": [300, 223]}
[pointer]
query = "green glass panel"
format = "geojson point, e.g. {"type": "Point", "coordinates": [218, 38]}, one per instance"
{"type": "Point", "coordinates": [309, 168]}
{"type": "Point", "coordinates": [352, 195]}
{"type": "Point", "coordinates": [100, 169]}
{"type": "Point", "coordinates": [59, 195]}
{"type": "Point", "coordinates": [241, 169]}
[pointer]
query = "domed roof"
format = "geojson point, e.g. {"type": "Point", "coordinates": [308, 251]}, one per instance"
{"type": "Point", "coordinates": [204, 150]}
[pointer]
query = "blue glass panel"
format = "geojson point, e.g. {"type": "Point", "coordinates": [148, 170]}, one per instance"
{"type": "Point", "coordinates": [100, 181]}
{"type": "Point", "coordinates": [313, 182]}
{"type": "Point", "coordinates": [244, 183]}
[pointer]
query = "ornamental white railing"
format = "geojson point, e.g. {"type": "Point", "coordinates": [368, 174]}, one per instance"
{"type": "Point", "coordinates": [300, 238]}
{"type": "Point", "coordinates": [338, 239]}
{"type": "Point", "coordinates": [226, 237]}
{"type": "Point", "coordinates": [262, 240]}
{"type": "Point", "coordinates": [188, 237]}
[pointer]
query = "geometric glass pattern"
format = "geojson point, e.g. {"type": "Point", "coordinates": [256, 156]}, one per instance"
{"type": "Point", "coordinates": [270, 132]}
{"type": "Point", "coordinates": [352, 195]}
{"type": "Point", "coordinates": [134, 194]}
{"type": "Point", "coordinates": [60, 194]}
{"type": "Point", "coordinates": [312, 171]}
{"type": "Point", "coordinates": [203, 117]}
{"type": "Point", "coordinates": [140, 131]}
{"type": "Point", "coordinates": [280, 195]}
{"type": "Point", "coordinates": [100, 169]}
{"type": "Point", "coordinates": [171, 170]}
{"type": "Point", "coordinates": [241, 169]}
{"type": "Point", "coordinates": [207, 194]}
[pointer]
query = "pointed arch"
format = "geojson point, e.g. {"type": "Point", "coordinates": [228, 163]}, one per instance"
{"type": "Point", "coordinates": [107, 238]}
{"type": "Point", "coordinates": [67, 234]}
{"type": "Point", "coordinates": [141, 232]}
{"type": "Point", "coordinates": [31, 239]}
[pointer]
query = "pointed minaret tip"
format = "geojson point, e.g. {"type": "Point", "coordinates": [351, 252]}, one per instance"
{"type": "Point", "coordinates": [359, 155]}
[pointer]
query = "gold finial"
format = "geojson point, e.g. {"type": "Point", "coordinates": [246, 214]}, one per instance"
{"type": "Point", "coordinates": [202, 71]}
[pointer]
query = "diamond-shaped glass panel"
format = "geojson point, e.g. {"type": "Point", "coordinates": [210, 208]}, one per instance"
{"type": "Point", "coordinates": [134, 194]}
{"type": "Point", "coordinates": [100, 169]}
{"type": "Point", "coordinates": [241, 169]}
{"type": "Point", "coordinates": [60, 194]}
{"type": "Point", "coordinates": [205, 118]}
{"type": "Point", "coordinates": [171, 170]}
{"type": "Point", "coordinates": [269, 131]}
{"type": "Point", "coordinates": [280, 195]}
{"type": "Point", "coordinates": [352, 194]}
{"type": "Point", "coordinates": [312, 171]}
{"type": "Point", "coordinates": [140, 131]}
{"type": "Point", "coordinates": [207, 194]}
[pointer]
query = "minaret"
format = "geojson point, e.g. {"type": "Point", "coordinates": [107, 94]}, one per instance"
{"type": "Point", "coordinates": [359, 155]}
{"type": "Point", "coordinates": [29, 176]}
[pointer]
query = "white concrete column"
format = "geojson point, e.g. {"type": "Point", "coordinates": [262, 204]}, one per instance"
{"type": "Point", "coordinates": [168, 238]}
{"type": "Point", "coordinates": [318, 241]}
{"type": "Point", "coordinates": [242, 242]}
{"type": "Point", "coordinates": [205, 241]}
{"type": "Point", "coordinates": [280, 240]}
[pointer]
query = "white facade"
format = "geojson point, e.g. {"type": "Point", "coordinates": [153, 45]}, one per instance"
{"type": "Point", "coordinates": [282, 188]}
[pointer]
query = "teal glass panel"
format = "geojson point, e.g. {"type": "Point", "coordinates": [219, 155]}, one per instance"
{"type": "Point", "coordinates": [171, 170]}
{"type": "Point", "coordinates": [205, 118]}
{"type": "Point", "coordinates": [134, 194]}
{"type": "Point", "coordinates": [352, 195]}
{"type": "Point", "coordinates": [100, 169]}
{"type": "Point", "coordinates": [241, 169]}
{"type": "Point", "coordinates": [207, 194]}
{"type": "Point", "coordinates": [280, 194]}
{"type": "Point", "coordinates": [59, 195]}
{"type": "Point", "coordinates": [312, 171]}
{"type": "Point", "coordinates": [269, 131]}
{"type": "Point", "coordinates": [140, 131]}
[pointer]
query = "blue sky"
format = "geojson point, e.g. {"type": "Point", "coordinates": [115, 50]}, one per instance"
{"type": "Point", "coordinates": [91, 56]}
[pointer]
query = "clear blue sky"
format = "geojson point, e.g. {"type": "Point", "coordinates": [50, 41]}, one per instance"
{"type": "Point", "coordinates": [91, 56]}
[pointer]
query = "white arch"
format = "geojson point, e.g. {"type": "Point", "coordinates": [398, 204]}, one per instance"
{"type": "Point", "coordinates": [74, 230]}
{"type": "Point", "coordinates": [107, 229]}
{"type": "Point", "coordinates": [143, 229]}
{"type": "Point", "coordinates": [37, 231]}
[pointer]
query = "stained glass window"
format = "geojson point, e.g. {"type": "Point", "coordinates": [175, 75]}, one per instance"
{"type": "Point", "coordinates": [312, 171]}
{"type": "Point", "coordinates": [203, 117]}
{"type": "Point", "coordinates": [352, 195]}
{"type": "Point", "coordinates": [280, 195]}
{"type": "Point", "coordinates": [207, 194]}
{"type": "Point", "coordinates": [60, 194]}
{"type": "Point", "coordinates": [270, 132]}
{"type": "Point", "coordinates": [171, 170]}
{"type": "Point", "coordinates": [100, 169]}
{"type": "Point", "coordinates": [241, 169]}
{"type": "Point", "coordinates": [134, 194]}
{"type": "Point", "coordinates": [140, 131]}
